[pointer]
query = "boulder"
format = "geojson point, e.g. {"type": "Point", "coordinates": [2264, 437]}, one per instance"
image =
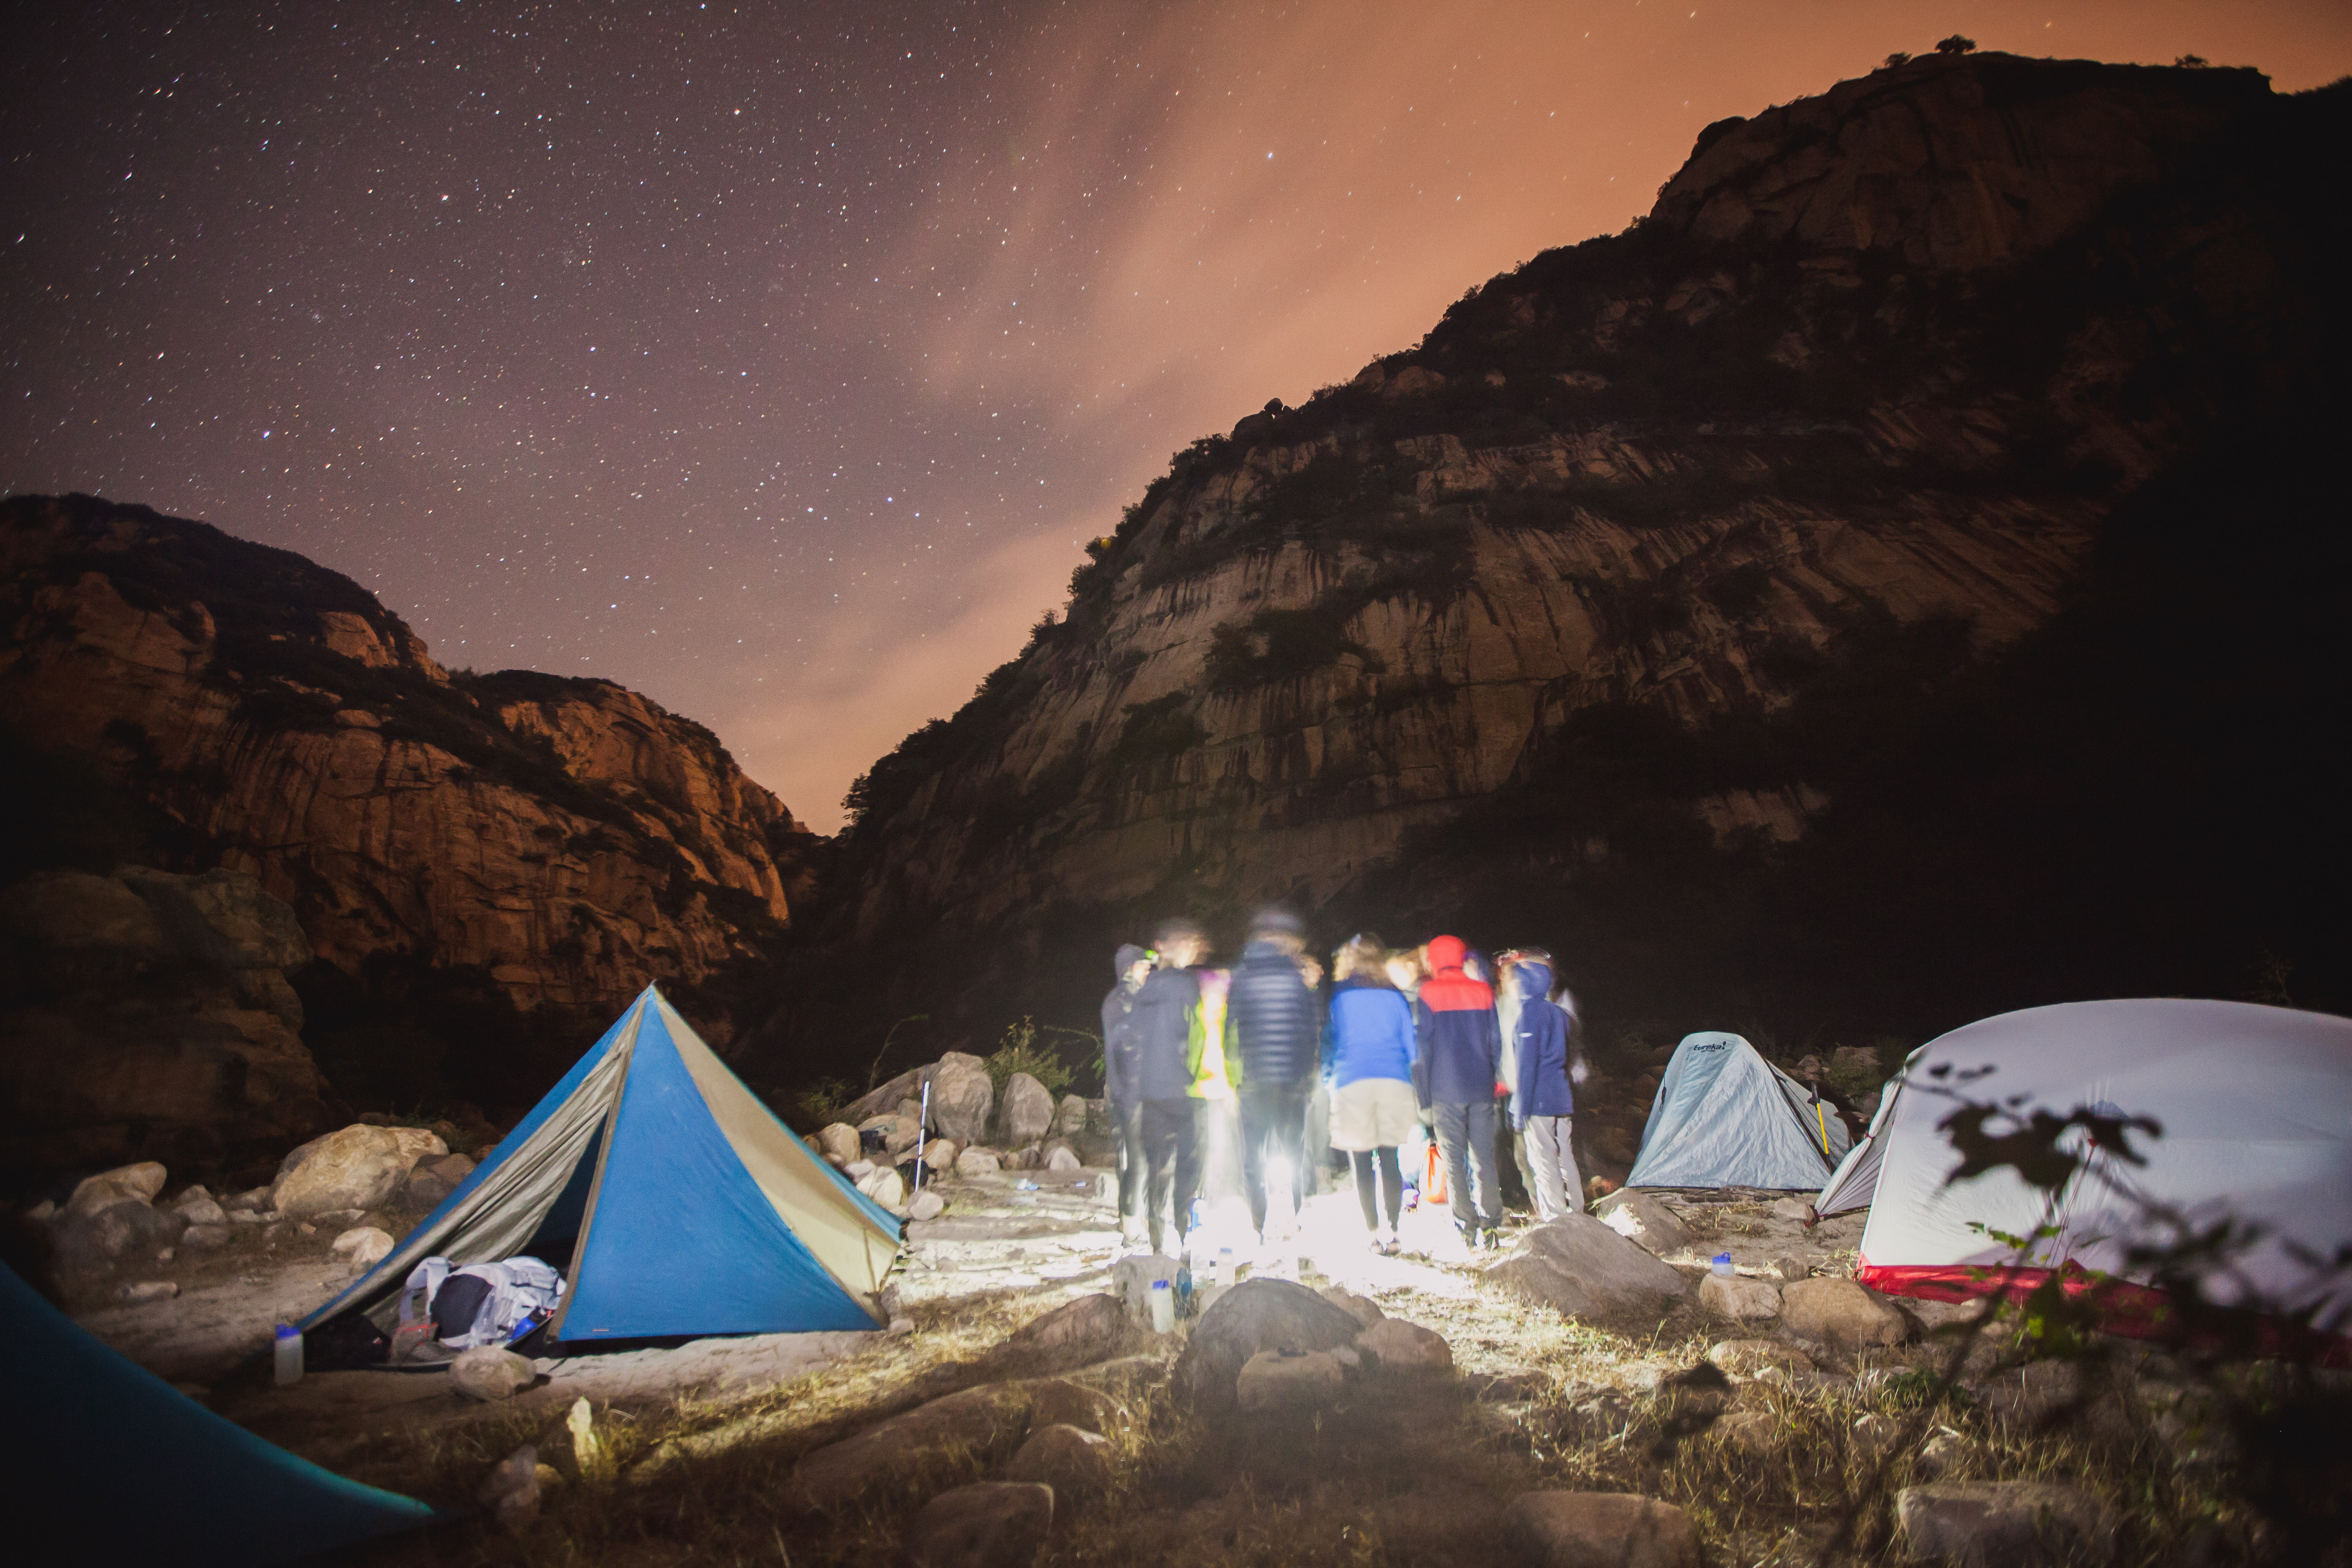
{"type": "Point", "coordinates": [1792, 1269]}
{"type": "Point", "coordinates": [1256, 1315]}
{"type": "Point", "coordinates": [255, 1200]}
{"type": "Point", "coordinates": [117, 1231]}
{"type": "Point", "coordinates": [1289, 1380]}
{"type": "Point", "coordinates": [907, 1085]}
{"type": "Point", "coordinates": [1755, 1432]}
{"type": "Point", "coordinates": [1360, 1308]}
{"type": "Point", "coordinates": [1581, 1269]}
{"type": "Point", "coordinates": [433, 1180]}
{"type": "Point", "coordinates": [205, 1237]}
{"type": "Point", "coordinates": [1087, 1329]}
{"type": "Point", "coordinates": [1131, 1283]}
{"type": "Point", "coordinates": [961, 1097]}
{"type": "Point", "coordinates": [418, 1144]}
{"type": "Point", "coordinates": [2003, 1524]}
{"type": "Point", "coordinates": [988, 1525]}
{"type": "Point", "coordinates": [1027, 1113]}
{"type": "Point", "coordinates": [977, 1162]}
{"type": "Point", "coordinates": [885, 1186]}
{"type": "Point", "coordinates": [1060, 1156]}
{"type": "Point", "coordinates": [925, 1205]}
{"type": "Point", "coordinates": [1644, 1221]}
{"type": "Point", "coordinates": [199, 1210]}
{"type": "Point", "coordinates": [1404, 1347]}
{"type": "Point", "coordinates": [1745, 1358]}
{"type": "Point", "coordinates": [136, 1184]}
{"type": "Point", "coordinates": [1072, 1461]}
{"type": "Point", "coordinates": [364, 1246]}
{"type": "Point", "coordinates": [1063, 1402]}
{"type": "Point", "coordinates": [1600, 1530]}
{"type": "Point", "coordinates": [1797, 1209]}
{"type": "Point", "coordinates": [1070, 1117]}
{"type": "Point", "coordinates": [487, 1374]}
{"type": "Point", "coordinates": [146, 1290]}
{"type": "Point", "coordinates": [1943, 1455]}
{"type": "Point", "coordinates": [1840, 1313]}
{"type": "Point", "coordinates": [1739, 1298]}
{"type": "Point", "coordinates": [359, 1167]}
{"type": "Point", "coordinates": [984, 1421]}
{"type": "Point", "coordinates": [839, 1142]}
{"type": "Point", "coordinates": [940, 1154]}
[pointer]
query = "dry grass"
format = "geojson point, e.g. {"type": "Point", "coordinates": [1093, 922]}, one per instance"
{"type": "Point", "coordinates": [1404, 1473]}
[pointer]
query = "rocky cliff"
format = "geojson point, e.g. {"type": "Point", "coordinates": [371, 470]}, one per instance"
{"type": "Point", "coordinates": [546, 845]}
{"type": "Point", "coordinates": [1612, 614]}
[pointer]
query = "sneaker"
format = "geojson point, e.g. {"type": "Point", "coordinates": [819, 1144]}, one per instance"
{"type": "Point", "coordinates": [1491, 1238]}
{"type": "Point", "coordinates": [1390, 1246]}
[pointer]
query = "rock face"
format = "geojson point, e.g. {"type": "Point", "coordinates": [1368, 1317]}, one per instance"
{"type": "Point", "coordinates": [1621, 561]}
{"type": "Point", "coordinates": [149, 1012]}
{"type": "Point", "coordinates": [566, 838]}
{"type": "Point", "coordinates": [1581, 1269]}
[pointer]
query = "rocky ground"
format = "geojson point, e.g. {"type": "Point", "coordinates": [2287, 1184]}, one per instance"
{"type": "Point", "coordinates": [1593, 1393]}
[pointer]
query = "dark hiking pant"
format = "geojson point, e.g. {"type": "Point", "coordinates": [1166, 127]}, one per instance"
{"type": "Point", "coordinates": [1376, 1179]}
{"type": "Point", "coordinates": [1172, 1161]}
{"type": "Point", "coordinates": [1274, 1128]}
{"type": "Point", "coordinates": [1131, 1160]}
{"type": "Point", "coordinates": [1468, 1131]}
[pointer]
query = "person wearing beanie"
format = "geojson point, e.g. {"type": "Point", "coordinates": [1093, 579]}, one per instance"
{"type": "Point", "coordinates": [1130, 968]}
{"type": "Point", "coordinates": [1457, 1044]}
{"type": "Point", "coordinates": [1272, 1027]}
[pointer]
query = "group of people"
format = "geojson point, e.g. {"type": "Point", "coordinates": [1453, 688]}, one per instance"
{"type": "Point", "coordinates": [1405, 1039]}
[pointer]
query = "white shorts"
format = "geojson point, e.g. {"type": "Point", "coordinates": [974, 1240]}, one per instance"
{"type": "Point", "coordinates": [1374, 1113]}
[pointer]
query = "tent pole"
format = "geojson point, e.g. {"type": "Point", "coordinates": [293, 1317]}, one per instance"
{"type": "Point", "coordinates": [926, 1121]}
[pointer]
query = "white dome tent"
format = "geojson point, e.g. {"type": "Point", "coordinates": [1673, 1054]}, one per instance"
{"type": "Point", "coordinates": [2254, 1105]}
{"type": "Point", "coordinates": [1724, 1117]}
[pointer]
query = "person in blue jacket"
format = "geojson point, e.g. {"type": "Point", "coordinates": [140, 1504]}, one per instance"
{"type": "Point", "coordinates": [1543, 1099]}
{"type": "Point", "coordinates": [1368, 1056]}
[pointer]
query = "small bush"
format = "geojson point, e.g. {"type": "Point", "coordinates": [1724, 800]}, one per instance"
{"type": "Point", "coordinates": [821, 1103]}
{"type": "Point", "coordinates": [1157, 731]}
{"type": "Point", "coordinates": [1019, 1051]}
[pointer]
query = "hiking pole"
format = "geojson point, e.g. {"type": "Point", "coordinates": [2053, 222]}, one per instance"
{"type": "Point", "coordinates": [926, 1121]}
{"type": "Point", "coordinates": [1818, 1115]}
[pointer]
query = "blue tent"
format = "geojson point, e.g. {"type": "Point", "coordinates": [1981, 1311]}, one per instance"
{"type": "Point", "coordinates": [1724, 1117]}
{"type": "Point", "coordinates": [110, 1464]}
{"type": "Point", "coordinates": [673, 1201]}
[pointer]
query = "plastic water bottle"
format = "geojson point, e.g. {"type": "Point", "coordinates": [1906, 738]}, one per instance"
{"type": "Point", "coordinates": [1183, 1289]}
{"type": "Point", "coordinates": [1722, 1264]}
{"type": "Point", "coordinates": [1224, 1266]}
{"type": "Point", "coordinates": [1163, 1308]}
{"type": "Point", "coordinates": [288, 1347]}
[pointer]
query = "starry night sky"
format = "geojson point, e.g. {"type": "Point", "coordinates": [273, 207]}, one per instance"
{"type": "Point", "coordinates": [777, 362]}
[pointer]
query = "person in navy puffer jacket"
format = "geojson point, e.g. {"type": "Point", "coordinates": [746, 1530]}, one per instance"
{"type": "Point", "coordinates": [1543, 1101]}
{"type": "Point", "coordinates": [1454, 1023]}
{"type": "Point", "coordinates": [1272, 1027]}
{"type": "Point", "coordinates": [1367, 1055]}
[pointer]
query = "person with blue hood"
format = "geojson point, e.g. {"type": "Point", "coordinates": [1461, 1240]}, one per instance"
{"type": "Point", "coordinates": [1368, 1057]}
{"type": "Point", "coordinates": [1122, 1090]}
{"type": "Point", "coordinates": [1543, 1099]}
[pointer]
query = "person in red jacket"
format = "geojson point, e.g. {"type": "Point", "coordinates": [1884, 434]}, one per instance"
{"type": "Point", "coordinates": [1453, 1024]}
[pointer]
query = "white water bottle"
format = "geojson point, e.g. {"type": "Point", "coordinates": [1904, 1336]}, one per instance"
{"type": "Point", "coordinates": [289, 1354]}
{"type": "Point", "coordinates": [1163, 1308]}
{"type": "Point", "coordinates": [1722, 1266]}
{"type": "Point", "coordinates": [1224, 1266]}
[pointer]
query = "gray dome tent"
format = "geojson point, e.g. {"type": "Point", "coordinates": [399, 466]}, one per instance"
{"type": "Point", "coordinates": [1724, 1117]}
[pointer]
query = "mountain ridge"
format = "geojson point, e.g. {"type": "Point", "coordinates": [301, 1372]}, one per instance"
{"type": "Point", "coordinates": [1693, 480]}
